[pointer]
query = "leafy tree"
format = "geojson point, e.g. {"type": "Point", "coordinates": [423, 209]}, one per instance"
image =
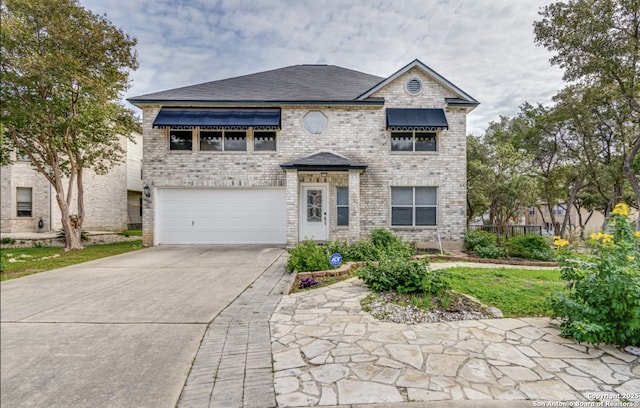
{"type": "Point", "coordinates": [477, 172]}
{"type": "Point", "coordinates": [499, 177]}
{"type": "Point", "coordinates": [63, 71]}
{"type": "Point", "coordinates": [601, 132]}
{"type": "Point", "coordinates": [597, 42]}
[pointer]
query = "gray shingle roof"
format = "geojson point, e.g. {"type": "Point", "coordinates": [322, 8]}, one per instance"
{"type": "Point", "coordinates": [324, 161]}
{"type": "Point", "coordinates": [297, 83]}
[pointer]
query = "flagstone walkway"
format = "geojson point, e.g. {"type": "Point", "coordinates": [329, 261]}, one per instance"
{"type": "Point", "coordinates": [327, 351]}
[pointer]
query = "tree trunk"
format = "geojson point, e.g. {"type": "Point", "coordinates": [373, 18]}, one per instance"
{"type": "Point", "coordinates": [631, 176]}
{"type": "Point", "coordinates": [71, 240]}
{"type": "Point", "coordinates": [572, 197]}
{"type": "Point", "coordinates": [80, 217]}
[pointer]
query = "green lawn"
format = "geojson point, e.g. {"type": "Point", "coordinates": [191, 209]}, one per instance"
{"type": "Point", "coordinates": [55, 257]}
{"type": "Point", "coordinates": [516, 292]}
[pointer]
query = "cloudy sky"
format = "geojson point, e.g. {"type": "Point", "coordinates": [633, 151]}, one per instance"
{"type": "Point", "coordinates": [485, 47]}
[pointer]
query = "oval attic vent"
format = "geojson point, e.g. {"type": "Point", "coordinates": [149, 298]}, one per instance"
{"type": "Point", "coordinates": [414, 86]}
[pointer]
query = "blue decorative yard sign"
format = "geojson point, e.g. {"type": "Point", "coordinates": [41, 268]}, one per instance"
{"type": "Point", "coordinates": [335, 260]}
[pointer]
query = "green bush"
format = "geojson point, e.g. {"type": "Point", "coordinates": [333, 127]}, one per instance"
{"type": "Point", "coordinates": [602, 299]}
{"type": "Point", "coordinates": [8, 241]}
{"type": "Point", "coordinates": [483, 244]}
{"type": "Point", "coordinates": [404, 276]}
{"type": "Point", "coordinates": [399, 275]}
{"type": "Point", "coordinates": [490, 251]}
{"type": "Point", "coordinates": [474, 239]}
{"type": "Point", "coordinates": [308, 256]}
{"type": "Point", "coordinates": [389, 245]}
{"type": "Point", "coordinates": [530, 247]}
{"type": "Point", "coordinates": [382, 244]}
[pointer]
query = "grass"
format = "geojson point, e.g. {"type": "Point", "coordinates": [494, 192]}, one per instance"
{"type": "Point", "coordinates": [44, 259]}
{"type": "Point", "coordinates": [516, 292]}
{"type": "Point", "coordinates": [132, 233]}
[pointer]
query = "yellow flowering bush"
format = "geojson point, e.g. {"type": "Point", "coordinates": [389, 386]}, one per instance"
{"type": "Point", "coordinates": [601, 303]}
{"type": "Point", "coordinates": [602, 238]}
{"type": "Point", "coordinates": [621, 209]}
{"type": "Point", "coordinates": [560, 243]}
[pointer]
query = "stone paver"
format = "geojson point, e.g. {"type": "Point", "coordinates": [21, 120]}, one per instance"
{"type": "Point", "coordinates": [233, 366]}
{"type": "Point", "coordinates": [327, 351]}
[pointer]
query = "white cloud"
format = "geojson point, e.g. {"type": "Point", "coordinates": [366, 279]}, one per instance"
{"type": "Point", "coordinates": [486, 47]}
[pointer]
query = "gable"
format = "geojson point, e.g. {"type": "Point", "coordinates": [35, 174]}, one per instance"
{"type": "Point", "coordinates": [435, 89]}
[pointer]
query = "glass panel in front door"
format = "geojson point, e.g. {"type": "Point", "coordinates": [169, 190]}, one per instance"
{"type": "Point", "coordinates": [314, 205]}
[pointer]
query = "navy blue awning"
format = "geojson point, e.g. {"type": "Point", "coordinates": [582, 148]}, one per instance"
{"type": "Point", "coordinates": [218, 118]}
{"type": "Point", "coordinates": [416, 119]}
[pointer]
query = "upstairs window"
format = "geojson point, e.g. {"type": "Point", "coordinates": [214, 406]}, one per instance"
{"type": "Point", "coordinates": [414, 141]}
{"type": "Point", "coordinates": [223, 141]}
{"type": "Point", "coordinates": [180, 140]}
{"type": "Point", "coordinates": [24, 201]}
{"type": "Point", "coordinates": [264, 141]}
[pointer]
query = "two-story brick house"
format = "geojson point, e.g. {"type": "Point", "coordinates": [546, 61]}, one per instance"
{"type": "Point", "coordinates": [306, 152]}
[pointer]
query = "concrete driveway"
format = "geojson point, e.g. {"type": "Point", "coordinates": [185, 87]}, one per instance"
{"type": "Point", "coordinates": [117, 332]}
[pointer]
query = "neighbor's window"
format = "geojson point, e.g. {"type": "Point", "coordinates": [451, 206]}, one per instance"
{"type": "Point", "coordinates": [413, 141]}
{"type": "Point", "coordinates": [180, 139]}
{"type": "Point", "coordinates": [264, 141]}
{"type": "Point", "coordinates": [23, 201]}
{"type": "Point", "coordinates": [414, 206]}
{"type": "Point", "coordinates": [223, 141]}
{"type": "Point", "coordinates": [21, 155]}
{"type": "Point", "coordinates": [342, 194]}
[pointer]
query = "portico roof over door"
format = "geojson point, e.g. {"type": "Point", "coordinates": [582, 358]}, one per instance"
{"type": "Point", "coordinates": [324, 161]}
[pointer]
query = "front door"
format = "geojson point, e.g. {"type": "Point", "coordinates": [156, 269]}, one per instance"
{"type": "Point", "coordinates": [314, 212]}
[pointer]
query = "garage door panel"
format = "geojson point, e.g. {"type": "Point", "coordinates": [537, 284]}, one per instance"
{"type": "Point", "coordinates": [221, 216]}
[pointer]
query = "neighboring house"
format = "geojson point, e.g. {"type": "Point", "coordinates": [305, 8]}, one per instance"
{"type": "Point", "coordinates": [592, 221]}
{"type": "Point", "coordinates": [306, 152]}
{"type": "Point", "coordinates": [29, 205]}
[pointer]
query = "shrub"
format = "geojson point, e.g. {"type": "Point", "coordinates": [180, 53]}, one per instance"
{"type": "Point", "coordinates": [382, 244]}
{"type": "Point", "coordinates": [8, 241]}
{"type": "Point", "coordinates": [404, 276]}
{"type": "Point", "coordinates": [389, 245]}
{"type": "Point", "coordinates": [602, 299]}
{"type": "Point", "coordinates": [490, 251]}
{"type": "Point", "coordinates": [530, 247]}
{"type": "Point", "coordinates": [397, 275]}
{"type": "Point", "coordinates": [483, 244]}
{"type": "Point", "coordinates": [308, 256]}
{"type": "Point", "coordinates": [474, 239]}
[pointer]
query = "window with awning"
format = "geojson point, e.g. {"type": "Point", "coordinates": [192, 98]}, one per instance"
{"type": "Point", "coordinates": [218, 118]}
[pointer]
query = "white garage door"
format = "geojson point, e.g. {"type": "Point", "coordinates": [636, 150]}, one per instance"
{"type": "Point", "coordinates": [220, 216]}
